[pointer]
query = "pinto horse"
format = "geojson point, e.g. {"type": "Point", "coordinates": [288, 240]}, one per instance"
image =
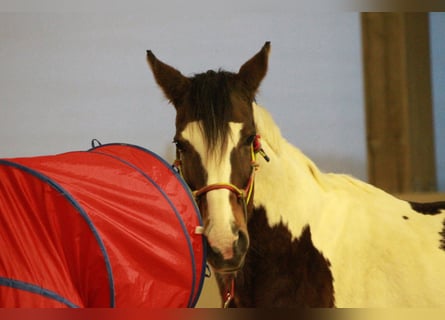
{"type": "Point", "coordinates": [282, 233]}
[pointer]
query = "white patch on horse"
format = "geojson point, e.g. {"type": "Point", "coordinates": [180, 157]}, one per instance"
{"type": "Point", "coordinates": [219, 229]}
{"type": "Point", "coordinates": [378, 259]}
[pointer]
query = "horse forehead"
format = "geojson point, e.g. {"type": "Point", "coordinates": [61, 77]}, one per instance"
{"type": "Point", "coordinates": [194, 134]}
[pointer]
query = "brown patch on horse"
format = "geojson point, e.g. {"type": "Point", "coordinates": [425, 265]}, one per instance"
{"type": "Point", "coordinates": [429, 208]}
{"type": "Point", "coordinates": [281, 272]}
{"type": "Point", "coordinates": [442, 233]}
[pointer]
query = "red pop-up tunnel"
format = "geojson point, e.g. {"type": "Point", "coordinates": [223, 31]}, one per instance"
{"type": "Point", "coordinates": [114, 226]}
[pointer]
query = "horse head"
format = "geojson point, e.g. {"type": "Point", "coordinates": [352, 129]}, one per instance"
{"type": "Point", "coordinates": [216, 143]}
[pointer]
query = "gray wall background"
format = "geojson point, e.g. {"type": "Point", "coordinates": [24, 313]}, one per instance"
{"type": "Point", "coordinates": [437, 29]}
{"type": "Point", "coordinates": [66, 78]}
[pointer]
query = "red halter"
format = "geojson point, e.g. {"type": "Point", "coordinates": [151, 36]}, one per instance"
{"type": "Point", "coordinates": [243, 194]}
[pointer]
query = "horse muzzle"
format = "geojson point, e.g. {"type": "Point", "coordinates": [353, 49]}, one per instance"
{"type": "Point", "coordinates": [228, 258]}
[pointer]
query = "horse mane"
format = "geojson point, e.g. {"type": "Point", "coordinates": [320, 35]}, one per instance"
{"type": "Point", "coordinates": [267, 128]}
{"type": "Point", "coordinates": [271, 134]}
{"type": "Point", "coordinates": [211, 103]}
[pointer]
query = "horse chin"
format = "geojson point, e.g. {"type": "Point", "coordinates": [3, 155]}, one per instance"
{"type": "Point", "coordinates": [227, 271]}
{"type": "Point", "coordinates": [225, 267]}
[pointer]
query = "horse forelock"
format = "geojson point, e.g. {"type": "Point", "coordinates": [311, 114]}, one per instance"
{"type": "Point", "coordinates": [211, 104]}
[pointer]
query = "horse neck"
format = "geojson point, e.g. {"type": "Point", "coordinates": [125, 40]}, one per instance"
{"type": "Point", "coordinates": [290, 186]}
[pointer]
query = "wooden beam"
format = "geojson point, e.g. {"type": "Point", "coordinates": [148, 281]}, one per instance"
{"type": "Point", "coordinates": [398, 100]}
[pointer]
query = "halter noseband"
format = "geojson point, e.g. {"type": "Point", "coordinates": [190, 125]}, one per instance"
{"type": "Point", "coordinates": [243, 194]}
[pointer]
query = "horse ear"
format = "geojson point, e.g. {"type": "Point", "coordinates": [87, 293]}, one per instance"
{"type": "Point", "coordinates": [171, 81]}
{"type": "Point", "coordinates": [253, 71]}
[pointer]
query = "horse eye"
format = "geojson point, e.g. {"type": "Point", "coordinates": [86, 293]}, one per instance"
{"type": "Point", "coordinates": [250, 139]}
{"type": "Point", "coordinates": [179, 145]}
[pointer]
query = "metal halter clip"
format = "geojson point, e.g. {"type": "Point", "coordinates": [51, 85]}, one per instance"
{"type": "Point", "coordinates": [230, 292]}
{"type": "Point", "coordinates": [227, 301]}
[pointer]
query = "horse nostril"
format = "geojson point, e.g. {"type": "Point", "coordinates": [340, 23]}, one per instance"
{"type": "Point", "coordinates": [242, 243]}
